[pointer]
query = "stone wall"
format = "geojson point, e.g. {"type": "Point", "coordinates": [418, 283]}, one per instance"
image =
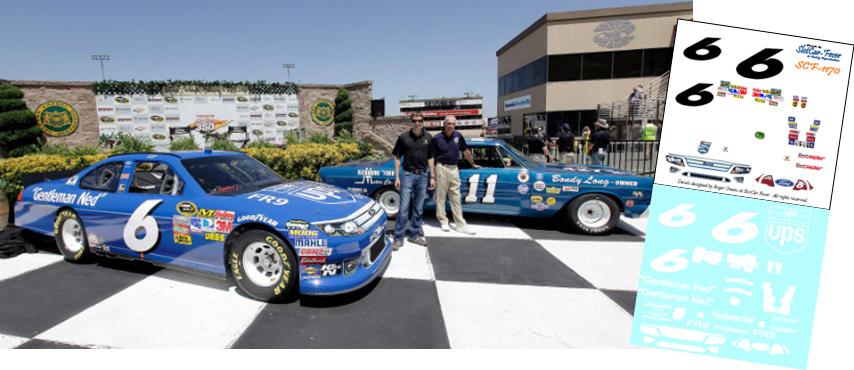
{"type": "Point", "coordinates": [361, 94]}
{"type": "Point", "coordinates": [78, 94]}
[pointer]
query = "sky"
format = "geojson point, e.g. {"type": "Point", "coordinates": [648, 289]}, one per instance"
{"type": "Point", "coordinates": [425, 48]}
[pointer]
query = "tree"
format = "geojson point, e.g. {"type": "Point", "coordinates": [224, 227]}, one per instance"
{"type": "Point", "coordinates": [343, 112]}
{"type": "Point", "coordinates": [19, 132]}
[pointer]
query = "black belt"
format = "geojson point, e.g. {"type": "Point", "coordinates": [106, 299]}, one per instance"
{"type": "Point", "coordinates": [416, 172]}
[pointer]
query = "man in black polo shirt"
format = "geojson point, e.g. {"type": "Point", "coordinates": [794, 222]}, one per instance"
{"type": "Point", "coordinates": [447, 147]}
{"type": "Point", "coordinates": [414, 147]}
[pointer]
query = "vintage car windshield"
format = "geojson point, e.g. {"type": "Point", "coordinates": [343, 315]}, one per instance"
{"type": "Point", "coordinates": [226, 175]}
{"type": "Point", "coordinates": [519, 155]}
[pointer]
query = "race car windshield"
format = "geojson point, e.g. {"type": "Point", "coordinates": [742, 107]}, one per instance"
{"type": "Point", "coordinates": [229, 175]}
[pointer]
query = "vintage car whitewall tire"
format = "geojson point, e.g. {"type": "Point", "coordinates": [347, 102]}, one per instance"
{"type": "Point", "coordinates": [594, 214]}
{"type": "Point", "coordinates": [71, 237]}
{"type": "Point", "coordinates": [264, 266]}
{"type": "Point", "coordinates": [389, 199]}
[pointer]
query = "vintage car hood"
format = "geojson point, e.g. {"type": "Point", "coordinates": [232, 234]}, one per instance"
{"type": "Point", "coordinates": [302, 200]}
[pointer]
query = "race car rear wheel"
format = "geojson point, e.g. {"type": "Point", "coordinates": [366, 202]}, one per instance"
{"type": "Point", "coordinates": [263, 266]}
{"type": "Point", "coordinates": [594, 214]}
{"type": "Point", "coordinates": [389, 199]}
{"type": "Point", "coordinates": [71, 236]}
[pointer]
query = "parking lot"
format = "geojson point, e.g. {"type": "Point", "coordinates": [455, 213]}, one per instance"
{"type": "Point", "coordinates": [517, 283]}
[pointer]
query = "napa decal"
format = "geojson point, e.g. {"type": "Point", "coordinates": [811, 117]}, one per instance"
{"type": "Point", "coordinates": [57, 118]}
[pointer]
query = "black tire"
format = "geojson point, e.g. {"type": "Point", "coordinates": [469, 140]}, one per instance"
{"type": "Point", "coordinates": [592, 203]}
{"type": "Point", "coordinates": [388, 191]}
{"type": "Point", "coordinates": [282, 282]}
{"type": "Point", "coordinates": [76, 250]}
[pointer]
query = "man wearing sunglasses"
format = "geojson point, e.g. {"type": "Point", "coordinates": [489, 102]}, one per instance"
{"type": "Point", "coordinates": [413, 146]}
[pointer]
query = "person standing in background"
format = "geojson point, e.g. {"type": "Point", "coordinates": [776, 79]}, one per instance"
{"type": "Point", "coordinates": [584, 144]}
{"type": "Point", "coordinates": [649, 132]}
{"type": "Point", "coordinates": [537, 148]}
{"type": "Point", "coordinates": [447, 148]}
{"type": "Point", "coordinates": [413, 146]}
{"type": "Point", "coordinates": [600, 141]}
{"type": "Point", "coordinates": [566, 145]}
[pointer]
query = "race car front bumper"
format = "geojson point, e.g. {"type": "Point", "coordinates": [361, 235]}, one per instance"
{"type": "Point", "coordinates": [363, 274]}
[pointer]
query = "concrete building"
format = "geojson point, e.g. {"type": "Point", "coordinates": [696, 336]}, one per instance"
{"type": "Point", "coordinates": [564, 65]}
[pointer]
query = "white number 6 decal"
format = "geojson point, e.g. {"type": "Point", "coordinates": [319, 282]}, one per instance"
{"type": "Point", "coordinates": [141, 219]}
{"type": "Point", "coordinates": [746, 230]}
{"type": "Point", "coordinates": [678, 216]}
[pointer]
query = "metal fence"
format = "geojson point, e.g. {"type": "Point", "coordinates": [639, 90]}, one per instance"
{"type": "Point", "coordinates": [636, 156]}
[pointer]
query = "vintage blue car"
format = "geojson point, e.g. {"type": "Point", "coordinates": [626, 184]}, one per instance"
{"type": "Point", "coordinates": [221, 213]}
{"type": "Point", "coordinates": [591, 198]}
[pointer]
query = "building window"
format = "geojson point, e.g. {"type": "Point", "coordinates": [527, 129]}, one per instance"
{"type": "Point", "coordinates": [628, 63]}
{"type": "Point", "coordinates": [657, 61]}
{"type": "Point", "coordinates": [530, 75]}
{"type": "Point", "coordinates": [564, 67]}
{"type": "Point", "coordinates": [596, 66]}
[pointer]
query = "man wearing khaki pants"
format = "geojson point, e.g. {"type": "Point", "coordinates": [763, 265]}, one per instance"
{"type": "Point", "coordinates": [446, 149]}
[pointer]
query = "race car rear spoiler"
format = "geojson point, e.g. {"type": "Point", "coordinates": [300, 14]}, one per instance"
{"type": "Point", "coordinates": [31, 178]}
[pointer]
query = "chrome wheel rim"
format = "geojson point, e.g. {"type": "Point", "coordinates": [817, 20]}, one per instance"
{"type": "Point", "coordinates": [262, 264]}
{"type": "Point", "coordinates": [390, 201]}
{"type": "Point", "coordinates": [72, 235]}
{"type": "Point", "coordinates": [594, 213]}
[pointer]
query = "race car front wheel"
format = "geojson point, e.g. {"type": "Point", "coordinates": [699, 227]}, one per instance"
{"type": "Point", "coordinates": [594, 214]}
{"type": "Point", "coordinates": [71, 236]}
{"type": "Point", "coordinates": [263, 266]}
{"type": "Point", "coordinates": [389, 199]}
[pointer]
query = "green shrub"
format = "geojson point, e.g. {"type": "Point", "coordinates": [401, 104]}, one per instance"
{"type": "Point", "coordinates": [125, 143]}
{"type": "Point", "coordinates": [224, 144]}
{"type": "Point", "coordinates": [343, 112]}
{"type": "Point", "coordinates": [303, 161]}
{"type": "Point", "coordinates": [12, 169]}
{"type": "Point", "coordinates": [365, 149]}
{"type": "Point", "coordinates": [293, 138]}
{"type": "Point", "coordinates": [258, 144]}
{"type": "Point", "coordinates": [19, 132]}
{"type": "Point", "coordinates": [62, 149]}
{"type": "Point", "coordinates": [184, 143]}
{"type": "Point", "coordinates": [319, 138]}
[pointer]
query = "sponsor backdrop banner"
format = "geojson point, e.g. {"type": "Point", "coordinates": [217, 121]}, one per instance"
{"type": "Point", "coordinates": [163, 118]}
{"type": "Point", "coordinates": [742, 194]}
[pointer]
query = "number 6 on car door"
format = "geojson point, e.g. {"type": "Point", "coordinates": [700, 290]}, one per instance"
{"type": "Point", "coordinates": [142, 220]}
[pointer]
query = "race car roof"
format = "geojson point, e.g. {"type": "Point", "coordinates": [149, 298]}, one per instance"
{"type": "Point", "coordinates": [178, 154]}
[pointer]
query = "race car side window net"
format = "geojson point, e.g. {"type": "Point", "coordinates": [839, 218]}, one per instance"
{"type": "Point", "coordinates": [155, 178]}
{"type": "Point", "coordinates": [103, 178]}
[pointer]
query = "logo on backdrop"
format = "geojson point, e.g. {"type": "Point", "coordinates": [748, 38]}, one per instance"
{"type": "Point", "coordinates": [57, 118]}
{"type": "Point", "coordinates": [323, 112]}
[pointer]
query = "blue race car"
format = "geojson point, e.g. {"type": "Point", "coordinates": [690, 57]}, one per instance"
{"type": "Point", "coordinates": [220, 213]}
{"type": "Point", "coordinates": [591, 198]}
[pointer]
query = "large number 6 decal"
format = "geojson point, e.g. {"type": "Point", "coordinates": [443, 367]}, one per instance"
{"type": "Point", "coordinates": [712, 51]}
{"type": "Point", "coordinates": [679, 216]}
{"type": "Point", "coordinates": [696, 90]}
{"type": "Point", "coordinates": [774, 66]}
{"type": "Point", "coordinates": [142, 220]}
{"type": "Point", "coordinates": [740, 222]}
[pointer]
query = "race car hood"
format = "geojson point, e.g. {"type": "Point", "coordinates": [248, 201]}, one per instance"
{"type": "Point", "coordinates": [303, 200]}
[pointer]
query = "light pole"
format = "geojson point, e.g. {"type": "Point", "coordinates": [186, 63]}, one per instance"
{"type": "Point", "coordinates": [101, 58]}
{"type": "Point", "coordinates": [289, 67]}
